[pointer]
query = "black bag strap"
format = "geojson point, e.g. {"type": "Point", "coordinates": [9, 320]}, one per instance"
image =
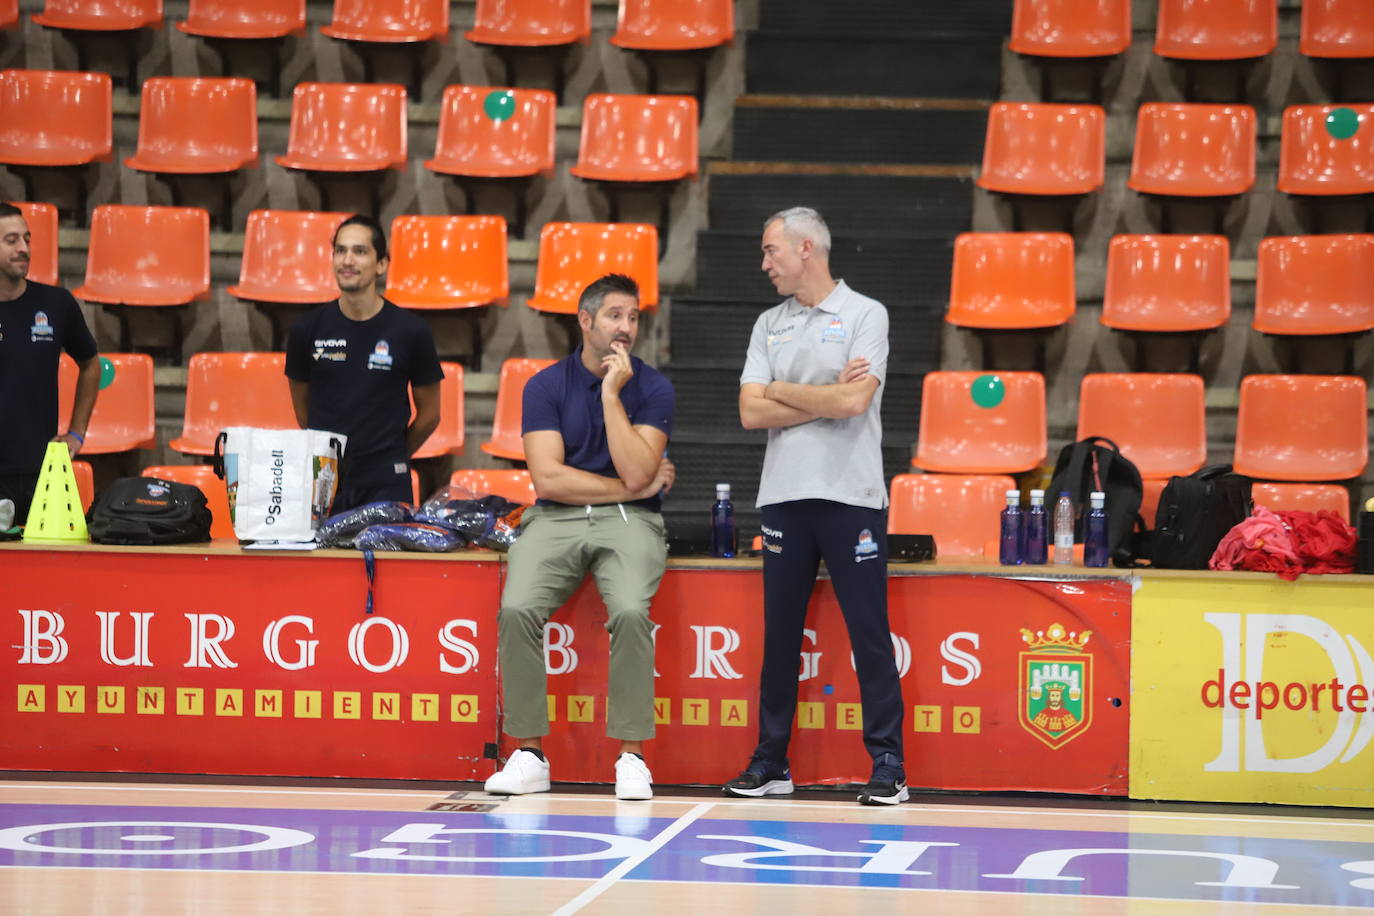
{"type": "Point", "coordinates": [220, 441]}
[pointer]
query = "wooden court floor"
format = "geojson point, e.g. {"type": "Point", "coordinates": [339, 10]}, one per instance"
{"type": "Point", "coordinates": [73, 845]}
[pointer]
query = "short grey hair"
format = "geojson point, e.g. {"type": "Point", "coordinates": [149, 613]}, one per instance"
{"type": "Point", "coordinates": [803, 223]}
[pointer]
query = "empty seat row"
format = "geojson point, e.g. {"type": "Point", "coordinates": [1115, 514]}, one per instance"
{"type": "Point", "coordinates": [1314, 284]}
{"type": "Point", "coordinates": [641, 24]}
{"type": "Point", "coordinates": [160, 256]}
{"type": "Point", "coordinates": [209, 125]}
{"type": "Point", "coordinates": [1289, 427]}
{"type": "Point", "coordinates": [258, 395]}
{"type": "Point", "coordinates": [1190, 29]}
{"type": "Point", "coordinates": [961, 510]}
{"type": "Point", "coordinates": [1181, 149]}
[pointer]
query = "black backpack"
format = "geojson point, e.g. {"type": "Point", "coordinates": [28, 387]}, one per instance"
{"type": "Point", "coordinates": [1195, 512]}
{"type": "Point", "coordinates": [146, 511]}
{"type": "Point", "coordinates": [1092, 464]}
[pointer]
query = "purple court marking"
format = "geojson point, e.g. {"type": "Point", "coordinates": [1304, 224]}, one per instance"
{"type": "Point", "coordinates": [1071, 862]}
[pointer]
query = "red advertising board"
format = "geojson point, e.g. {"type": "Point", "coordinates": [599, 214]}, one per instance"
{"type": "Point", "coordinates": [230, 662]}
{"type": "Point", "coordinates": [1008, 683]}
{"type": "Point", "coordinates": [247, 664]}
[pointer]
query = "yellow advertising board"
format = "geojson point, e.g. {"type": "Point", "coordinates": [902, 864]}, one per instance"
{"type": "Point", "coordinates": [1253, 690]}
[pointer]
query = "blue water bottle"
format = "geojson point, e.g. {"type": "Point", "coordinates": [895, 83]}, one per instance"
{"type": "Point", "coordinates": [1037, 531]}
{"type": "Point", "coordinates": [1012, 523]}
{"type": "Point", "coordinates": [723, 523]}
{"type": "Point", "coordinates": [1095, 531]}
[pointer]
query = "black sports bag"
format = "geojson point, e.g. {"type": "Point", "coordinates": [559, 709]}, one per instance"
{"type": "Point", "coordinates": [146, 511]}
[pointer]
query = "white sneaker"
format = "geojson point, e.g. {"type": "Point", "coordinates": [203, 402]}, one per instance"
{"type": "Point", "coordinates": [632, 778]}
{"type": "Point", "coordinates": [523, 773]}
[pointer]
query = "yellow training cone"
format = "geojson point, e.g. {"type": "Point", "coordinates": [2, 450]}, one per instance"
{"type": "Point", "coordinates": [55, 516]}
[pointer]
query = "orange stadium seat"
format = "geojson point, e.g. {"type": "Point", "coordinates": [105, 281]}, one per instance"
{"type": "Point", "coordinates": [531, 23]}
{"type": "Point", "coordinates": [233, 389]}
{"type": "Point", "coordinates": [959, 435]}
{"type": "Point", "coordinates": [1315, 284]}
{"type": "Point", "coordinates": [674, 25]}
{"type": "Point", "coordinates": [244, 19]}
{"type": "Point", "coordinates": [202, 477]}
{"type": "Point", "coordinates": [287, 261]}
{"type": "Point", "coordinates": [287, 257]}
{"type": "Point", "coordinates": [1302, 427]}
{"type": "Point", "coordinates": [1307, 497]}
{"type": "Point", "coordinates": [43, 259]}
{"type": "Point", "coordinates": [959, 510]}
{"type": "Point", "coordinates": [1167, 283]}
{"type": "Point", "coordinates": [1337, 28]}
{"type": "Point", "coordinates": [515, 486]}
{"type": "Point", "coordinates": [9, 13]}
{"type": "Point", "coordinates": [100, 15]}
{"type": "Point", "coordinates": [85, 483]}
{"type": "Point", "coordinates": [123, 416]}
{"type": "Point", "coordinates": [638, 138]}
{"type": "Point", "coordinates": [54, 118]}
{"type": "Point", "coordinates": [1159, 421]}
{"type": "Point", "coordinates": [346, 127]}
{"type": "Point", "coordinates": [1216, 29]}
{"type": "Point", "coordinates": [196, 126]}
{"type": "Point", "coordinates": [103, 20]}
{"type": "Point", "coordinates": [1312, 161]}
{"type": "Point", "coordinates": [506, 440]}
{"type": "Point", "coordinates": [448, 262]}
{"type": "Point", "coordinates": [388, 20]}
{"type": "Point", "coordinates": [1194, 150]}
{"type": "Point", "coordinates": [472, 143]}
{"type": "Point", "coordinates": [572, 255]}
{"type": "Point", "coordinates": [147, 255]}
{"type": "Point", "coordinates": [1070, 28]}
{"type": "Point", "coordinates": [447, 439]}
{"type": "Point", "coordinates": [1012, 280]}
{"type": "Point", "coordinates": [1034, 148]}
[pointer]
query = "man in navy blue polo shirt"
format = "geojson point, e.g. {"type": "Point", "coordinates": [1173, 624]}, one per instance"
{"type": "Point", "coordinates": [595, 426]}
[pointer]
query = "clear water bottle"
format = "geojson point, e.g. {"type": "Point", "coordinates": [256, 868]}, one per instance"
{"type": "Point", "coordinates": [1095, 531]}
{"type": "Point", "coordinates": [1009, 552]}
{"type": "Point", "coordinates": [723, 523]}
{"type": "Point", "coordinates": [1036, 552]}
{"type": "Point", "coordinates": [1063, 529]}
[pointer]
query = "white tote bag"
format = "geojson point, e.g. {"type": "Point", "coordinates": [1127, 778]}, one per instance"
{"type": "Point", "coordinates": [281, 482]}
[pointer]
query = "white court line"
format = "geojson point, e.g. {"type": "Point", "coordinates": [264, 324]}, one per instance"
{"type": "Point", "coordinates": [478, 797]}
{"type": "Point", "coordinates": [628, 865]}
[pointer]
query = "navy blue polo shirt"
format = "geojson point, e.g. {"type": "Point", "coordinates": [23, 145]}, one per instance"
{"type": "Point", "coordinates": [567, 398]}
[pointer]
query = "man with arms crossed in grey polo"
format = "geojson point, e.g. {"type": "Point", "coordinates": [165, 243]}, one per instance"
{"type": "Point", "coordinates": [595, 426]}
{"type": "Point", "coordinates": [813, 378]}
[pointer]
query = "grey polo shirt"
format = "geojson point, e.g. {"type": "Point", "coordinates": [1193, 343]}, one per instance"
{"type": "Point", "coordinates": [838, 460]}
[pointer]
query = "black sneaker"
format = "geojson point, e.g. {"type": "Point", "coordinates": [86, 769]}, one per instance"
{"type": "Point", "coordinates": [887, 785]}
{"type": "Point", "coordinates": [761, 777]}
